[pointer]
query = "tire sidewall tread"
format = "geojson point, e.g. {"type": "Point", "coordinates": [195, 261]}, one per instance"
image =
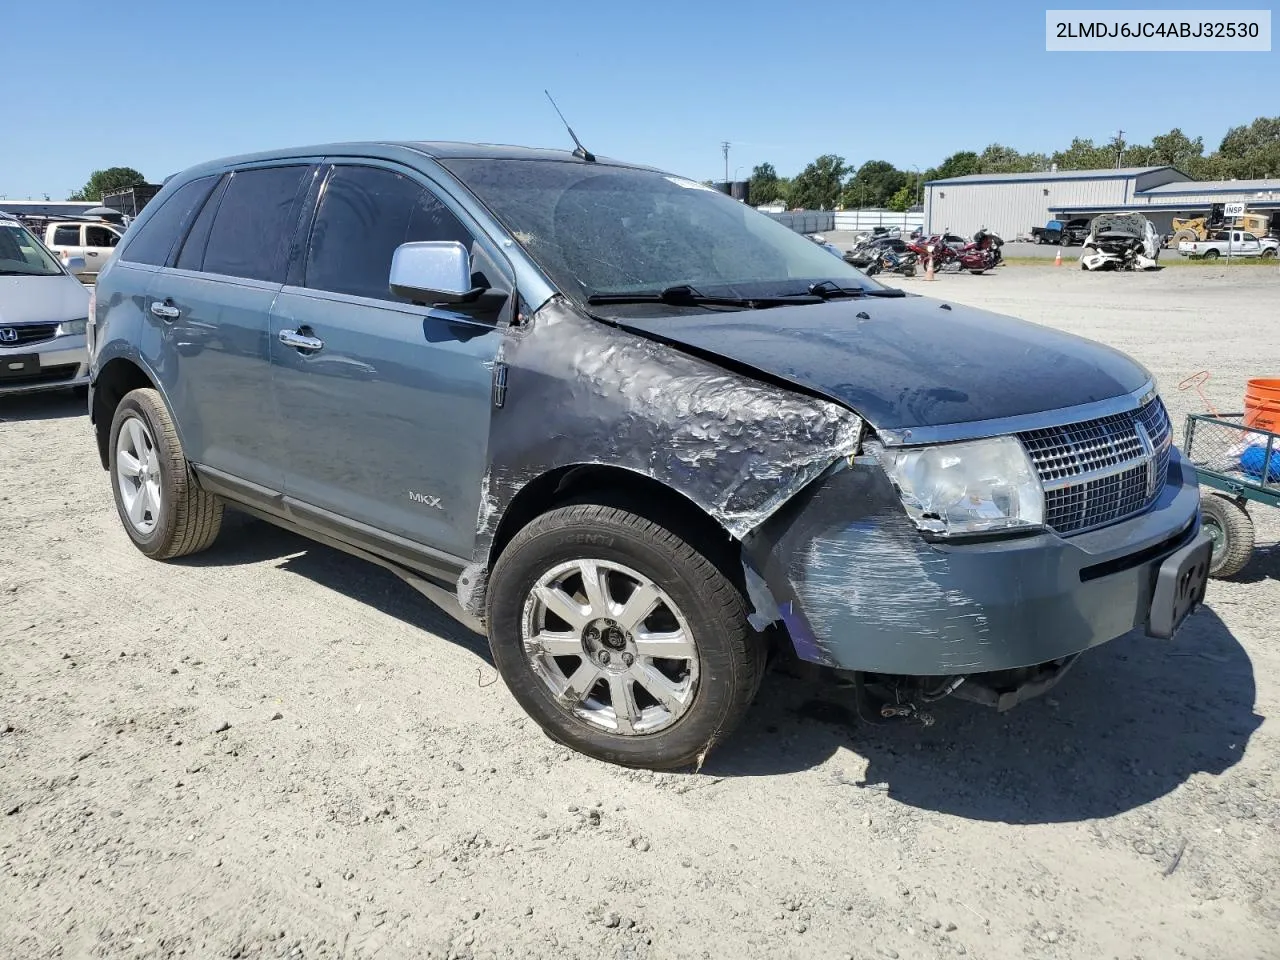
{"type": "Point", "coordinates": [731, 655]}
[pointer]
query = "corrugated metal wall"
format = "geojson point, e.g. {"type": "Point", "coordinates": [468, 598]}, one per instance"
{"type": "Point", "coordinates": [1013, 207]}
{"type": "Point", "coordinates": [1199, 199]}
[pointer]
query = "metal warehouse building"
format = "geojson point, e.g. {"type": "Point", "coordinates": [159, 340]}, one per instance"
{"type": "Point", "coordinates": [1013, 203]}
{"type": "Point", "coordinates": [1191, 198]}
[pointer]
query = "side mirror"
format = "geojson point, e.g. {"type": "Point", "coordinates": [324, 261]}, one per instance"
{"type": "Point", "coordinates": [75, 265]}
{"type": "Point", "coordinates": [433, 271]}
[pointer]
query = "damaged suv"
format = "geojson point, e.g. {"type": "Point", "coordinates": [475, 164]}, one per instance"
{"type": "Point", "coordinates": [638, 431]}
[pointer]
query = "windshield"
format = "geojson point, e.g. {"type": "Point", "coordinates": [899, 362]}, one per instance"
{"type": "Point", "coordinates": [21, 254]}
{"type": "Point", "coordinates": [598, 230]}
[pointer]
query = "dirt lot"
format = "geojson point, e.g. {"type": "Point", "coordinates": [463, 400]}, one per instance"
{"type": "Point", "coordinates": [274, 750]}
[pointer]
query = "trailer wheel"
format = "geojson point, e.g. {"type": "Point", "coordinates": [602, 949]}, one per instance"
{"type": "Point", "coordinates": [1231, 529]}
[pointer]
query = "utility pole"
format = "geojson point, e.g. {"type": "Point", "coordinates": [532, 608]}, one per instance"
{"type": "Point", "coordinates": [1119, 147]}
{"type": "Point", "coordinates": [724, 145]}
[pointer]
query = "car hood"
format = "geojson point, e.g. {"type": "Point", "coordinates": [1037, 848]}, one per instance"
{"type": "Point", "coordinates": [909, 362]}
{"type": "Point", "coordinates": [42, 300]}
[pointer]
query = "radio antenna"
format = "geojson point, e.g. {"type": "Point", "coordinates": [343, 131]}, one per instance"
{"type": "Point", "coordinates": [581, 151]}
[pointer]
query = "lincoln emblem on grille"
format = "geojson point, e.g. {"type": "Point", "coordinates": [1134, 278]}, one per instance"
{"type": "Point", "coordinates": [8, 335]}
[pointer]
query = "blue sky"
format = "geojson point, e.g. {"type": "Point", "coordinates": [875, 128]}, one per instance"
{"type": "Point", "coordinates": [178, 82]}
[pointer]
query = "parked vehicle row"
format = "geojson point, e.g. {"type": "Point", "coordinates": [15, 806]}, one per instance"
{"type": "Point", "coordinates": [89, 239]}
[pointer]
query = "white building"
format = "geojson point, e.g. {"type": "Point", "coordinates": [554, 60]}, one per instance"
{"type": "Point", "coordinates": [1013, 203]}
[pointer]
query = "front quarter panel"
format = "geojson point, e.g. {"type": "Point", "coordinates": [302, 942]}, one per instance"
{"type": "Point", "coordinates": [582, 392]}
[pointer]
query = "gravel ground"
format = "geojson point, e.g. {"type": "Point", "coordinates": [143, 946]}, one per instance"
{"type": "Point", "coordinates": [274, 750]}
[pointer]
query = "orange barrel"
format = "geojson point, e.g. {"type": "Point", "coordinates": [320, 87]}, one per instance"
{"type": "Point", "coordinates": [1262, 405]}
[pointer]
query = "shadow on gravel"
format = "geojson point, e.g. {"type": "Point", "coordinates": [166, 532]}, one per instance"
{"type": "Point", "coordinates": [246, 539]}
{"type": "Point", "coordinates": [1133, 720]}
{"type": "Point", "coordinates": [55, 405]}
{"type": "Point", "coordinates": [1263, 565]}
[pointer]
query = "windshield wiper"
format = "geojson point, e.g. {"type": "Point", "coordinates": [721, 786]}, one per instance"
{"type": "Point", "coordinates": [830, 290]}
{"type": "Point", "coordinates": [683, 295]}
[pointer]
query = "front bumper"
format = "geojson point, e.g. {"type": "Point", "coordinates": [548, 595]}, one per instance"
{"type": "Point", "coordinates": [859, 589]}
{"type": "Point", "coordinates": [64, 362]}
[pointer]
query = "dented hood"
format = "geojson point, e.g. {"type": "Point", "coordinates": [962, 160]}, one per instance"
{"type": "Point", "coordinates": [908, 362]}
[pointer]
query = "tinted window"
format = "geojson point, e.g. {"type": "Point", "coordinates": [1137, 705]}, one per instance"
{"type": "Point", "coordinates": [99, 237]}
{"type": "Point", "coordinates": [192, 255]}
{"type": "Point", "coordinates": [363, 215]}
{"type": "Point", "coordinates": [66, 236]}
{"type": "Point", "coordinates": [155, 238]}
{"type": "Point", "coordinates": [254, 224]}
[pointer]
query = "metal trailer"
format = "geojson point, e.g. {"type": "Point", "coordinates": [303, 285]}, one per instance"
{"type": "Point", "coordinates": [1218, 448]}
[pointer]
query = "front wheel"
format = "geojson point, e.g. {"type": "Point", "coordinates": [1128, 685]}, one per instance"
{"type": "Point", "coordinates": [1268, 253]}
{"type": "Point", "coordinates": [1231, 529]}
{"type": "Point", "coordinates": [621, 638]}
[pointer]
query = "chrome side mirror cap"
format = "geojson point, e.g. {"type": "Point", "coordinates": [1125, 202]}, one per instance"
{"type": "Point", "coordinates": [433, 271]}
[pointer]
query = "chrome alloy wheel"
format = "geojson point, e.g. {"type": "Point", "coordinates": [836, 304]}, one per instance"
{"type": "Point", "coordinates": [138, 475]}
{"type": "Point", "coordinates": [611, 646]}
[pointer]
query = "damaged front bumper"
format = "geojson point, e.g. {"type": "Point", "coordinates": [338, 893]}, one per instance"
{"type": "Point", "coordinates": [859, 589]}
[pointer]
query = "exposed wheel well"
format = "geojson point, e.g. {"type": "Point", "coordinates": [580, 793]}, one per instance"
{"type": "Point", "coordinates": [115, 380]}
{"type": "Point", "coordinates": [614, 486]}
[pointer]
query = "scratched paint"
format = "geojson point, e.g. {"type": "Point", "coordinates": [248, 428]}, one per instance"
{"type": "Point", "coordinates": [581, 392]}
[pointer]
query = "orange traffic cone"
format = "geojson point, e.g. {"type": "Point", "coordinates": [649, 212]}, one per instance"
{"type": "Point", "coordinates": [928, 266]}
{"type": "Point", "coordinates": [1057, 261]}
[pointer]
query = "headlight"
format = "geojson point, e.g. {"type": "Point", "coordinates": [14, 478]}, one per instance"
{"type": "Point", "coordinates": [975, 487]}
{"type": "Point", "coordinates": [69, 328]}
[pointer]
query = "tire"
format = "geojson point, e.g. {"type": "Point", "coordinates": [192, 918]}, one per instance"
{"type": "Point", "coordinates": [720, 678]}
{"type": "Point", "coordinates": [1231, 528]}
{"type": "Point", "coordinates": [1211, 254]}
{"type": "Point", "coordinates": [186, 519]}
{"type": "Point", "coordinates": [1268, 254]}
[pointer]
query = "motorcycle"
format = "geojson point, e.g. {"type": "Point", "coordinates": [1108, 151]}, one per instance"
{"type": "Point", "coordinates": [984, 239]}
{"type": "Point", "coordinates": [947, 258]}
{"type": "Point", "coordinates": [886, 259]}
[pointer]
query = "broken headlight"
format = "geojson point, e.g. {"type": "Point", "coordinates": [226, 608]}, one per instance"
{"type": "Point", "coordinates": [980, 486]}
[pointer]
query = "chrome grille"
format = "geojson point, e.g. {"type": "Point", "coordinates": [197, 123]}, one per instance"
{"type": "Point", "coordinates": [1099, 471]}
{"type": "Point", "coordinates": [20, 334]}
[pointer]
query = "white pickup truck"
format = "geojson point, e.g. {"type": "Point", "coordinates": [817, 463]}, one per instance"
{"type": "Point", "coordinates": [92, 240]}
{"type": "Point", "coordinates": [1234, 243]}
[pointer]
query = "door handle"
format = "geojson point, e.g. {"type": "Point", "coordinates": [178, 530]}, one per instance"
{"type": "Point", "coordinates": [300, 341]}
{"type": "Point", "coordinates": [165, 311]}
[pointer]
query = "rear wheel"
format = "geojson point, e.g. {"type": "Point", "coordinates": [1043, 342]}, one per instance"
{"type": "Point", "coordinates": [1211, 254]}
{"type": "Point", "coordinates": [1231, 529]}
{"type": "Point", "coordinates": [621, 638]}
{"type": "Point", "coordinates": [163, 509]}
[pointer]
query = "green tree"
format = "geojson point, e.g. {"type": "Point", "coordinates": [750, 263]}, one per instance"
{"type": "Point", "coordinates": [997, 158]}
{"type": "Point", "coordinates": [1176, 149]}
{"type": "Point", "coordinates": [873, 185]}
{"type": "Point", "coordinates": [104, 181]}
{"type": "Point", "coordinates": [1083, 154]}
{"type": "Point", "coordinates": [1251, 151]}
{"type": "Point", "coordinates": [960, 164]}
{"type": "Point", "coordinates": [817, 186]}
{"type": "Point", "coordinates": [903, 199]}
{"type": "Point", "coordinates": [763, 187]}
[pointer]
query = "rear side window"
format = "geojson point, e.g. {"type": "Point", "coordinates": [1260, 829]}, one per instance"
{"type": "Point", "coordinates": [254, 224]}
{"type": "Point", "coordinates": [155, 238]}
{"type": "Point", "coordinates": [192, 255]}
{"type": "Point", "coordinates": [66, 236]}
{"type": "Point", "coordinates": [363, 215]}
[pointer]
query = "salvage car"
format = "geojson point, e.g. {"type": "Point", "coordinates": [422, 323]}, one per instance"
{"type": "Point", "coordinates": [43, 313]}
{"type": "Point", "coordinates": [638, 433]}
{"type": "Point", "coordinates": [1121, 241]}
